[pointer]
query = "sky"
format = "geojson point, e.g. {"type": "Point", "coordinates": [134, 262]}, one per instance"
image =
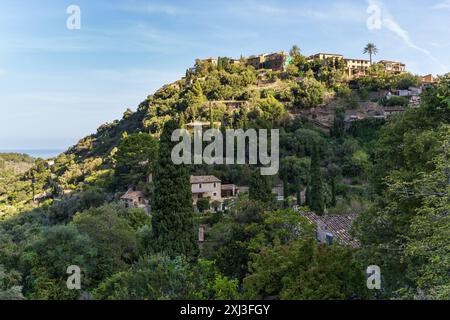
{"type": "Point", "coordinates": [58, 85]}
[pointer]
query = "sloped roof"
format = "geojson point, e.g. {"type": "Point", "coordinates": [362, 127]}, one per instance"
{"type": "Point", "coordinates": [392, 62]}
{"type": "Point", "coordinates": [204, 179]}
{"type": "Point", "coordinates": [132, 195]}
{"type": "Point", "coordinates": [338, 225]}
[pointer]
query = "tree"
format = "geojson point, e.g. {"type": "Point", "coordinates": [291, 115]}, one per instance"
{"type": "Point", "coordinates": [10, 288]}
{"type": "Point", "coordinates": [317, 197]}
{"type": "Point", "coordinates": [273, 110]}
{"type": "Point", "coordinates": [203, 204]}
{"type": "Point", "coordinates": [112, 236]}
{"type": "Point", "coordinates": [338, 124]}
{"type": "Point", "coordinates": [404, 231]}
{"type": "Point", "coordinates": [135, 158]}
{"type": "Point", "coordinates": [295, 51]}
{"type": "Point", "coordinates": [309, 93]}
{"type": "Point", "coordinates": [333, 192]}
{"type": "Point", "coordinates": [173, 224]}
{"type": "Point", "coordinates": [161, 277]}
{"type": "Point", "coordinates": [303, 269]}
{"type": "Point", "coordinates": [371, 49]}
{"type": "Point", "coordinates": [45, 263]}
{"type": "Point", "coordinates": [194, 99]}
{"type": "Point", "coordinates": [260, 188]}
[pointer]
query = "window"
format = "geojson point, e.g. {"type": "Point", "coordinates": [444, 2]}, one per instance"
{"type": "Point", "coordinates": [214, 194]}
{"type": "Point", "coordinates": [214, 184]}
{"type": "Point", "coordinates": [200, 185]}
{"type": "Point", "coordinates": [329, 238]}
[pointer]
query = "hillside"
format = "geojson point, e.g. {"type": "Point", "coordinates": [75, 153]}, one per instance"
{"type": "Point", "coordinates": [12, 168]}
{"type": "Point", "coordinates": [235, 94]}
{"type": "Point", "coordinates": [377, 176]}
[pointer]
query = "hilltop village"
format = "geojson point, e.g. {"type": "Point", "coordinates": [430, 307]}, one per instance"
{"type": "Point", "coordinates": [353, 69]}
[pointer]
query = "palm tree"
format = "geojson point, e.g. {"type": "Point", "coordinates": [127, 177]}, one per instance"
{"type": "Point", "coordinates": [295, 51]}
{"type": "Point", "coordinates": [371, 49]}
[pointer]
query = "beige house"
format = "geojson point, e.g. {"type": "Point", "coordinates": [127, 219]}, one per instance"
{"type": "Point", "coordinates": [325, 56]}
{"type": "Point", "coordinates": [273, 61]}
{"type": "Point", "coordinates": [427, 81]}
{"type": "Point", "coordinates": [206, 187]}
{"type": "Point", "coordinates": [355, 68]}
{"type": "Point", "coordinates": [393, 66]}
{"type": "Point", "coordinates": [213, 61]}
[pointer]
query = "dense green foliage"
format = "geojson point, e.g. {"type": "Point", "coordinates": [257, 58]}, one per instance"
{"type": "Point", "coordinates": [393, 173]}
{"type": "Point", "coordinates": [406, 231]}
{"type": "Point", "coordinates": [135, 158]}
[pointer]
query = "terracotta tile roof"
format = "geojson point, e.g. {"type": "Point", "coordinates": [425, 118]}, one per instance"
{"type": "Point", "coordinates": [204, 179]}
{"type": "Point", "coordinates": [338, 225]}
{"type": "Point", "coordinates": [132, 195]}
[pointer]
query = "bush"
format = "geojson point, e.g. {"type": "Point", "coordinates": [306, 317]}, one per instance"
{"type": "Point", "coordinates": [395, 101]}
{"type": "Point", "coordinates": [203, 204]}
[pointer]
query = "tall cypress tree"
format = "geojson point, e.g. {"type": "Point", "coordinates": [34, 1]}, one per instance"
{"type": "Point", "coordinates": [260, 188]}
{"type": "Point", "coordinates": [173, 224]}
{"type": "Point", "coordinates": [317, 201]}
{"type": "Point", "coordinates": [308, 194]}
{"type": "Point", "coordinates": [333, 192]}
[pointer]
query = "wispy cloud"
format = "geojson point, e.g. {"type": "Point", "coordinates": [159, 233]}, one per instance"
{"type": "Point", "coordinates": [153, 8]}
{"type": "Point", "coordinates": [445, 4]}
{"type": "Point", "coordinates": [342, 11]}
{"type": "Point", "coordinates": [133, 38]}
{"type": "Point", "coordinates": [389, 22]}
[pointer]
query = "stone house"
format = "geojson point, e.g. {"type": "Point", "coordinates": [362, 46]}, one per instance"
{"type": "Point", "coordinates": [134, 198]}
{"type": "Point", "coordinates": [333, 228]}
{"type": "Point", "coordinates": [206, 187]}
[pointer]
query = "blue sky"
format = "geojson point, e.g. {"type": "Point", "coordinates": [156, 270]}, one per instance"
{"type": "Point", "coordinates": [58, 85]}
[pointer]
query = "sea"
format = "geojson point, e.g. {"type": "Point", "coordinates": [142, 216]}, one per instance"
{"type": "Point", "coordinates": [36, 153]}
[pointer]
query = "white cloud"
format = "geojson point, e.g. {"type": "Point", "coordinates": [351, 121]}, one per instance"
{"type": "Point", "coordinates": [389, 22]}
{"type": "Point", "coordinates": [445, 4]}
{"type": "Point", "coordinates": [342, 11]}
{"type": "Point", "coordinates": [154, 8]}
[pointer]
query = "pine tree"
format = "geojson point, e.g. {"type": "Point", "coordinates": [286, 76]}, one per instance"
{"type": "Point", "coordinates": [194, 99]}
{"type": "Point", "coordinates": [317, 201]}
{"type": "Point", "coordinates": [173, 225]}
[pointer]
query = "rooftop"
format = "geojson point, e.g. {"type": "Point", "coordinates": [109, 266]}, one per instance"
{"type": "Point", "coordinates": [132, 195]}
{"type": "Point", "coordinates": [204, 179]}
{"type": "Point", "coordinates": [338, 225]}
{"type": "Point", "coordinates": [328, 54]}
{"type": "Point", "coordinates": [388, 61]}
